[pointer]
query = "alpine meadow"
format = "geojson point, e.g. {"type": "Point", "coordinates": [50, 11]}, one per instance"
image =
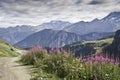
{"type": "Point", "coordinates": [60, 40]}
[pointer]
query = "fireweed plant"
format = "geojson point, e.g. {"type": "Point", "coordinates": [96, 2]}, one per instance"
{"type": "Point", "coordinates": [61, 65]}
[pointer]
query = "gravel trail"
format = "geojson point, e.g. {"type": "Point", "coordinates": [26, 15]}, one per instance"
{"type": "Point", "coordinates": [11, 70]}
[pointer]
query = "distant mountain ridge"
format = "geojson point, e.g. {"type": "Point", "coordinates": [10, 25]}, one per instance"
{"type": "Point", "coordinates": [114, 48]}
{"type": "Point", "coordinates": [57, 38]}
{"type": "Point", "coordinates": [110, 23]}
{"type": "Point", "coordinates": [18, 33]}
{"type": "Point", "coordinates": [15, 34]}
{"type": "Point", "coordinates": [54, 24]}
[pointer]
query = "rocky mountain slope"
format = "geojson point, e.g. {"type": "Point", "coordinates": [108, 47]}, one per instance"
{"type": "Point", "coordinates": [57, 38]}
{"type": "Point", "coordinates": [109, 23]}
{"type": "Point", "coordinates": [55, 25]}
{"type": "Point", "coordinates": [18, 33]}
{"type": "Point", "coordinates": [15, 34]}
{"type": "Point", "coordinates": [49, 38]}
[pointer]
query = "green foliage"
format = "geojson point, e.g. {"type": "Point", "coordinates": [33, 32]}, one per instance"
{"type": "Point", "coordinates": [64, 66]}
{"type": "Point", "coordinates": [54, 61]}
{"type": "Point", "coordinates": [33, 58]}
{"type": "Point", "coordinates": [28, 60]}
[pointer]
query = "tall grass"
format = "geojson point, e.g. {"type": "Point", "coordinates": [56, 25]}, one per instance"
{"type": "Point", "coordinates": [61, 65]}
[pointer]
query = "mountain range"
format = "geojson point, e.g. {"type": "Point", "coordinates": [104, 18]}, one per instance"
{"type": "Point", "coordinates": [59, 33]}
{"type": "Point", "coordinates": [55, 25]}
{"type": "Point", "coordinates": [18, 33]}
{"type": "Point", "coordinates": [57, 38]}
{"type": "Point", "coordinates": [15, 34]}
{"type": "Point", "coordinates": [110, 23]}
{"type": "Point", "coordinates": [49, 38]}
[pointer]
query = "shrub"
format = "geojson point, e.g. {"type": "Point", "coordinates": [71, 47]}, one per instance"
{"type": "Point", "coordinates": [34, 56]}
{"type": "Point", "coordinates": [102, 68]}
{"type": "Point", "coordinates": [63, 65]}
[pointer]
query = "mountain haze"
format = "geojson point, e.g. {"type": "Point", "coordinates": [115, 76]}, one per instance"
{"type": "Point", "coordinates": [57, 38]}
{"type": "Point", "coordinates": [15, 34]}
{"type": "Point", "coordinates": [18, 33]}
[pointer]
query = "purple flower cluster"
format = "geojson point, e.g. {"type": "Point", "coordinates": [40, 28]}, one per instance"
{"type": "Point", "coordinates": [99, 59]}
{"type": "Point", "coordinates": [55, 50]}
{"type": "Point", "coordinates": [36, 49]}
{"type": "Point", "coordinates": [58, 50]}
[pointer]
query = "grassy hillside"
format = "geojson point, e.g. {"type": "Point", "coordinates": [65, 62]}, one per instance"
{"type": "Point", "coordinates": [88, 47]}
{"type": "Point", "coordinates": [103, 41]}
{"type": "Point", "coordinates": [6, 50]}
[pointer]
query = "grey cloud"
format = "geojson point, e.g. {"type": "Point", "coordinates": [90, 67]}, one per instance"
{"type": "Point", "coordinates": [78, 2]}
{"type": "Point", "coordinates": [95, 2]}
{"type": "Point", "coordinates": [7, 1]}
{"type": "Point", "coordinates": [10, 1]}
{"type": "Point", "coordinates": [45, 10]}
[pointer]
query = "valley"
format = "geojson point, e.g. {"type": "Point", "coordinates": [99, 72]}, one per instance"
{"type": "Point", "coordinates": [62, 50]}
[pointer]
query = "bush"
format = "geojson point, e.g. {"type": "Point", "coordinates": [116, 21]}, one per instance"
{"type": "Point", "coordinates": [34, 56]}
{"type": "Point", "coordinates": [62, 65]}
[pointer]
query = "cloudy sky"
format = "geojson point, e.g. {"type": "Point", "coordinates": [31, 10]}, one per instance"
{"type": "Point", "coordinates": [35, 12]}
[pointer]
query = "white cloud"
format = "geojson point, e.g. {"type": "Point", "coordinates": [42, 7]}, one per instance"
{"type": "Point", "coordinates": [35, 12]}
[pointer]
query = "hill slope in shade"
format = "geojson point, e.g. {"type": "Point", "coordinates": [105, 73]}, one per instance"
{"type": "Point", "coordinates": [6, 50]}
{"type": "Point", "coordinates": [88, 47]}
{"type": "Point", "coordinates": [57, 38]}
{"type": "Point", "coordinates": [49, 38]}
{"type": "Point", "coordinates": [114, 48]}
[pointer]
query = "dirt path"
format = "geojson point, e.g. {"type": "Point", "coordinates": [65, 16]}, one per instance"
{"type": "Point", "coordinates": [10, 70]}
